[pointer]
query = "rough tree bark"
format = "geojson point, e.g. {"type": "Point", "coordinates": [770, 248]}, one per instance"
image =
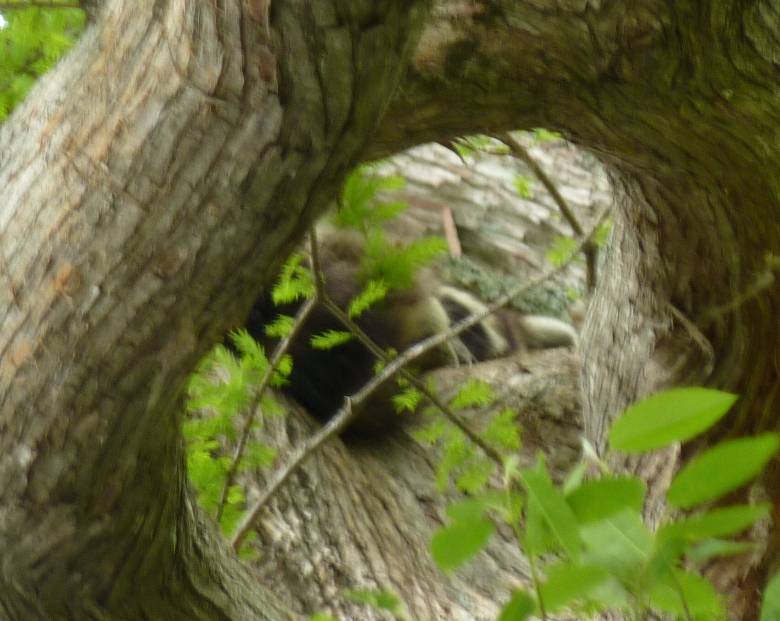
{"type": "Point", "coordinates": [152, 181]}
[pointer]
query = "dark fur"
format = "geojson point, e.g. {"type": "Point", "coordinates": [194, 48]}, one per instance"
{"type": "Point", "coordinates": [320, 380]}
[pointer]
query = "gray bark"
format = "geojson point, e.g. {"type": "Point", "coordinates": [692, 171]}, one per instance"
{"type": "Point", "coordinates": [360, 514]}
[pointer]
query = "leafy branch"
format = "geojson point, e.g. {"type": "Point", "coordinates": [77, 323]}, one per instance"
{"type": "Point", "coordinates": [344, 416]}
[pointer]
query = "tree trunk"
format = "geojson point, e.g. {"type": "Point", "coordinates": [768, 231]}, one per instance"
{"type": "Point", "coordinates": [146, 186]}
{"type": "Point", "coordinates": [153, 181]}
{"type": "Point", "coordinates": [360, 514]}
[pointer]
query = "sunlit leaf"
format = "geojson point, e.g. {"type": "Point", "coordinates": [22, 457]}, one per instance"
{"type": "Point", "coordinates": [721, 469]}
{"type": "Point", "coordinates": [672, 416]}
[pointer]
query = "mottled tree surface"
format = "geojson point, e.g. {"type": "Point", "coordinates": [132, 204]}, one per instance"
{"type": "Point", "coordinates": [152, 182]}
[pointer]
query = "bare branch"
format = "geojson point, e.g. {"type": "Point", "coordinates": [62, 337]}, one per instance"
{"type": "Point", "coordinates": [254, 406]}
{"type": "Point", "coordinates": [589, 249]}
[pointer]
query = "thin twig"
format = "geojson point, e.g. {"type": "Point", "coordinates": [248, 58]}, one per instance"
{"type": "Point", "coordinates": [763, 281]}
{"type": "Point", "coordinates": [590, 249]}
{"type": "Point", "coordinates": [414, 381]}
{"type": "Point", "coordinates": [254, 406]}
{"type": "Point", "coordinates": [698, 337]}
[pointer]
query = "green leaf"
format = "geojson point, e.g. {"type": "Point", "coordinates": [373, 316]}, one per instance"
{"type": "Point", "coordinates": [279, 327]}
{"type": "Point", "coordinates": [554, 510]}
{"type": "Point", "coordinates": [561, 250]}
{"type": "Point", "coordinates": [544, 135]}
{"type": "Point", "coordinates": [576, 476]}
{"type": "Point", "coordinates": [471, 509]}
{"type": "Point", "coordinates": [396, 267]}
{"type": "Point", "coordinates": [596, 500]}
{"type": "Point", "coordinates": [538, 538]}
{"type": "Point", "coordinates": [713, 548]}
{"type": "Point", "coordinates": [519, 607]}
{"type": "Point", "coordinates": [721, 469]}
{"type": "Point", "coordinates": [374, 291]}
{"type": "Point", "coordinates": [522, 184]}
{"type": "Point", "coordinates": [567, 582]}
{"type": "Point", "coordinates": [672, 416]}
{"type": "Point", "coordinates": [381, 600]}
{"type": "Point", "coordinates": [770, 603]}
{"type": "Point", "coordinates": [621, 544]}
{"type": "Point", "coordinates": [252, 353]}
{"type": "Point", "coordinates": [330, 339]}
{"type": "Point", "coordinates": [503, 431]}
{"type": "Point", "coordinates": [258, 455]}
{"type": "Point", "coordinates": [475, 475]}
{"type": "Point", "coordinates": [408, 400]}
{"type": "Point", "coordinates": [294, 282]}
{"type": "Point", "coordinates": [474, 393]}
{"type": "Point", "coordinates": [453, 545]}
{"type": "Point", "coordinates": [386, 211]}
{"type": "Point", "coordinates": [715, 523]}
{"type": "Point", "coordinates": [682, 592]}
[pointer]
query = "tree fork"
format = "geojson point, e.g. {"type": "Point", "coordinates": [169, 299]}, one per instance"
{"type": "Point", "coordinates": [137, 179]}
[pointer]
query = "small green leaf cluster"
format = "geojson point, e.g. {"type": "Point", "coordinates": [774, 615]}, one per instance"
{"type": "Point", "coordinates": [469, 145]}
{"type": "Point", "coordinates": [379, 600]}
{"type": "Point", "coordinates": [522, 184]}
{"type": "Point", "coordinates": [384, 266]}
{"type": "Point", "coordinates": [294, 281]}
{"type": "Point", "coordinates": [598, 552]}
{"type": "Point", "coordinates": [32, 40]}
{"type": "Point", "coordinates": [222, 392]}
{"type": "Point", "coordinates": [562, 246]}
{"type": "Point", "coordinates": [544, 135]}
{"type": "Point", "coordinates": [461, 461]}
{"type": "Point", "coordinates": [395, 267]}
{"type": "Point", "coordinates": [359, 207]}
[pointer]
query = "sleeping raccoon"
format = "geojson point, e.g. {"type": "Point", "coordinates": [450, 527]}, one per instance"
{"type": "Point", "coordinates": [321, 379]}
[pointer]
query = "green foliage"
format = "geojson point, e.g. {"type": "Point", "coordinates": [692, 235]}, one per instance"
{"type": "Point", "coordinates": [460, 461]}
{"type": "Point", "coordinates": [503, 432]}
{"type": "Point", "coordinates": [598, 552]}
{"type": "Point", "coordinates": [523, 185]}
{"type": "Point", "coordinates": [280, 327]}
{"type": "Point", "coordinates": [678, 414]}
{"type": "Point", "coordinates": [396, 267]}
{"type": "Point", "coordinates": [453, 545]}
{"type": "Point", "coordinates": [331, 339]}
{"type": "Point", "coordinates": [736, 463]}
{"type": "Point", "coordinates": [474, 393]}
{"type": "Point", "coordinates": [548, 513]}
{"type": "Point", "coordinates": [770, 605]}
{"type": "Point", "coordinates": [407, 400]}
{"type": "Point", "coordinates": [380, 600]}
{"type": "Point", "coordinates": [223, 391]}
{"type": "Point", "coordinates": [32, 41]}
{"type": "Point", "coordinates": [294, 282]}
{"type": "Point", "coordinates": [543, 135]}
{"type": "Point", "coordinates": [469, 145]}
{"type": "Point", "coordinates": [562, 247]}
{"type": "Point", "coordinates": [519, 607]}
{"type": "Point", "coordinates": [598, 499]}
{"type": "Point", "coordinates": [374, 291]}
{"type": "Point", "coordinates": [359, 207]}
